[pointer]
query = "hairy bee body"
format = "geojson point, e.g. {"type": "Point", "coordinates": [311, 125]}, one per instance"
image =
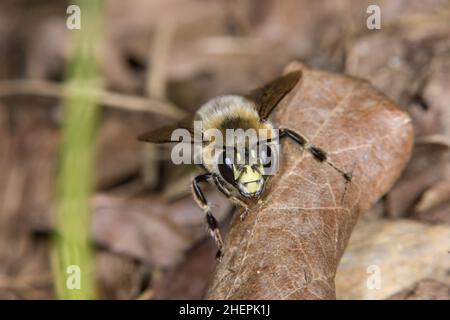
{"type": "Point", "coordinates": [238, 115]}
{"type": "Point", "coordinates": [230, 112]}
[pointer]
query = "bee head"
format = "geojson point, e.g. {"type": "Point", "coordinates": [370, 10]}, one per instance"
{"type": "Point", "coordinates": [245, 169]}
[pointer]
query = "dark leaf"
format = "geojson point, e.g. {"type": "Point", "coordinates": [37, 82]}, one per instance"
{"type": "Point", "coordinates": [289, 245]}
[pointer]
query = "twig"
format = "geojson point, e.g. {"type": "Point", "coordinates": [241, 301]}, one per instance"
{"type": "Point", "coordinates": [107, 98]}
{"type": "Point", "coordinates": [438, 139]}
{"type": "Point", "coordinates": [155, 86]}
{"type": "Point", "coordinates": [158, 59]}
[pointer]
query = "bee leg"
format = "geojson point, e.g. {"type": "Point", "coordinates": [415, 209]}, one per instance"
{"type": "Point", "coordinates": [204, 205]}
{"type": "Point", "coordinates": [218, 182]}
{"type": "Point", "coordinates": [318, 154]}
{"type": "Point", "coordinates": [244, 214]}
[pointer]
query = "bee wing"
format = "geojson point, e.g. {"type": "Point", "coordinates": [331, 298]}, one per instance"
{"type": "Point", "coordinates": [267, 97]}
{"type": "Point", "coordinates": [163, 134]}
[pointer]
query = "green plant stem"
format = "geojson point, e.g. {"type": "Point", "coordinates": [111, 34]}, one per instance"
{"type": "Point", "coordinates": [75, 175]}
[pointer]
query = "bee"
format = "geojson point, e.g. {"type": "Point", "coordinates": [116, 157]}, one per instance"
{"type": "Point", "coordinates": [239, 173]}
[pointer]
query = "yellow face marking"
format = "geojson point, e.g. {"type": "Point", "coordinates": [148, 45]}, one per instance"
{"type": "Point", "coordinates": [249, 179]}
{"type": "Point", "coordinates": [236, 173]}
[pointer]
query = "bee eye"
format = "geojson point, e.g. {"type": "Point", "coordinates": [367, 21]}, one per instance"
{"type": "Point", "coordinates": [265, 155]}
{"type": "Point", "coordinates": [226, 168]}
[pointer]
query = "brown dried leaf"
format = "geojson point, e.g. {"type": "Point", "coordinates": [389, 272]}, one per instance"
{"type": "Point", "coordinates": [189, 279]}
{"type": "Point", "coordinates": [289, 245]}
{"type": "Point", "coordinates": [119, 277]}
{"type": "Point", "coordinates": [401, 252]}
{"type": "Point", "coordinates": [126, 229]}
{"type": "Point", "coordinates": [409, 45]}
{"type": "Point", "coordinates": [435, 196]}
{"type": "Point", "coordinates": [426, 289]}
{"type": "Point", "coordinates": [118, 155]}
{"type": "Point", "coordinates": [426, 168]}
{"type": "Point", "coordinates": [413, 69]}
{"type": "Point", "coordinates": [25, 189]}
{"type": "Point", "coordinates": [150, 230]}
{"type": "Point", "coordinates": [434, 205]}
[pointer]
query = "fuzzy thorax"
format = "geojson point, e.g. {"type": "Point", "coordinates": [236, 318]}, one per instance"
{"type": "Point", "coordinates": [236, 113]}
{"type": "Point", "coordinates": [230, 112]}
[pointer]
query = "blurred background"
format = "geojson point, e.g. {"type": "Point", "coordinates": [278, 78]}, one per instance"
{"type": "Point", "coordinates": [150, 62]}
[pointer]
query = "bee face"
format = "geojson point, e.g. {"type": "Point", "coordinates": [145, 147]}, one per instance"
{"type": "Point", "coordinates": [245, 170]}
{"type": "Point", "coordinates": [250, 181]}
